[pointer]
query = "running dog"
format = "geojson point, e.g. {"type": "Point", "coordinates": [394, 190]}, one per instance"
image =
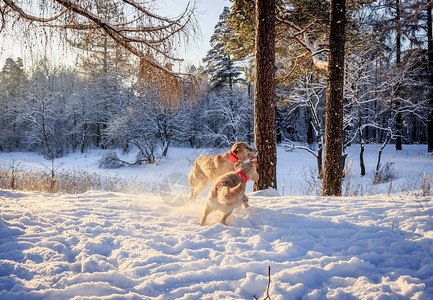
{"type": "Point", "coordinates": [207, 169]}
{"type": "Point", "coordinates": [228, 191]}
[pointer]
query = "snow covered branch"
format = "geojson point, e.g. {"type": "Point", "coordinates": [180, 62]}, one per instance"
{"type": "Point", "coordinates": [313, 49]}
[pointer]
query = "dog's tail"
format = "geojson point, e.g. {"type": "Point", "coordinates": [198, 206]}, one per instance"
{"type": "Point", "coordinates": [227, 193]}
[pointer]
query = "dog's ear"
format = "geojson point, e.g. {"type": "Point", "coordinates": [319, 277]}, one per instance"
{"type": "Point", "coordinates": [236, 147]}
{"type": "Point", "coordinates": [239, 165]}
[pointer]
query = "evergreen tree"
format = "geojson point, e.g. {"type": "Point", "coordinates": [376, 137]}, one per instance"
{"type": "Point", "coordinates": [219, 65]}
{"type": "Point", "coordinates": [240, 43]}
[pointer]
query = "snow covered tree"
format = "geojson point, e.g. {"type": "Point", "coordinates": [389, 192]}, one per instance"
{"type": "Point", "coordinates": [362, 92]}
{"type": "Point", "coordinates": [82, 117]}
{"type": "Point", "coordinates": [400, 24]}
{"type": "Point", "coordinates": [91, 107]}
{"type": "Point", "coordinates": [41, 112]}
{"type": "Point", "coordinates": [135, 126]}
{"type": "Point", "coordinates": [404, 87]}
{"type": "Point", "coordinates": [309, 93]}
{"type": "Point", "coordinates": [219, 65]}
{"type": "Point", "coordinates": [147, 122]}
{"type": "Point", "coordinates": [231, 118]}
{"type": "Point", "coordinates": [12, 93]}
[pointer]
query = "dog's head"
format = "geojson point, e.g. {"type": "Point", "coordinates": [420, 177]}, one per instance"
{"type": "Point", "coordinates": [248, 169]}
{"type": "Point", "coordinates": [243, 151]}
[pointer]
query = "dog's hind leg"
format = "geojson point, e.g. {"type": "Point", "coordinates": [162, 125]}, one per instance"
{"type": "Point", "coordinates": [192, 185]}
{"type": "Point", "coordinates": [199, 188]}
{"type": "Point", "coordinates": [197, 183]}
{"type": "Point", "coordinates": [191, 193]}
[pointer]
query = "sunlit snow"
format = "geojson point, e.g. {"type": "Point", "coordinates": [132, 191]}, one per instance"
{"type": "Point", "coordinates": [106, 245]}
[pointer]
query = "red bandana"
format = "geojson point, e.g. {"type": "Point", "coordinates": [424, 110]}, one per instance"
{"type": "Point", "coordinates": [243, 176]}
{"type": "Point", "coordinates": [233, 157]}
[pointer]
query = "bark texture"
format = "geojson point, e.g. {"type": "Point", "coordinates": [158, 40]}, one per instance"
{"type": "Point", "coordinates": [333, 160]}
{"type": "Point", "coordinates": [264, 95]}
{"type": "Point", "coordinates": [430, 64]}
{"type": "Point", "coordinates": [398, 119]}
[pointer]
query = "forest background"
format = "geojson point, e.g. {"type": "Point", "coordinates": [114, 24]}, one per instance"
{"type": "Point", "coordinates": [101, 102]}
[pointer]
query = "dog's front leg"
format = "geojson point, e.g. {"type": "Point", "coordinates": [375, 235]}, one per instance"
{"type": "Point", "coordinates": [206, 212]}
{"type": "Point", "coordinates": [245, 201]}
{"type": "Point", "coordinates": [203, 220]}
{"type": "Point", "coordinates": [224, 218]}
{"type": "Point", "coordinates": [210, 206]}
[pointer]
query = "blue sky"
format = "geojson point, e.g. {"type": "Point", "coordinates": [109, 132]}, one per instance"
{"type": "Point", "coordinates": [208, 12]}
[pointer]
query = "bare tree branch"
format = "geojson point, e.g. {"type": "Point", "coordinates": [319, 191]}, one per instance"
{"type": "Point", "coordinates": [19, 10]}
{"type": "Point", "coordinates": [142, 40]}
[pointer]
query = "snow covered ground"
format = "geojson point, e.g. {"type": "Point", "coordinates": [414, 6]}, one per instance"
{"type": "Point", "coordinates": [296, 170]}
{"type": "Point", "coordinates": [105, 245]}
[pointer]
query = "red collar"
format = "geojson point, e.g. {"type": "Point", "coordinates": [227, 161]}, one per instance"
{"type": "Point", "coordinates": [243, 176]}
{"type": "Point", "coordinates": [233, 157]}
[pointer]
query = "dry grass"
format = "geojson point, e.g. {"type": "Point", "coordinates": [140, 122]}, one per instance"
{"type": "Point", "coordinates": [425, 185]}
{"type": "Point", "coordinates": [69, 181]}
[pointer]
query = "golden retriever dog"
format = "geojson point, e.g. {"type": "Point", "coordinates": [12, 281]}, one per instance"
{"type": "Point", "coordinates": [228, 191]}
{"type": "Point", "coordinates": [207, 169]}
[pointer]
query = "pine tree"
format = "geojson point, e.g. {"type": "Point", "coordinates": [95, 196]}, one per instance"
{"type": "Point", "coordinates": [240, 43]}
{"type": "Point", "coordinates": [13, 74]}
{"type": "Point", "coordinates": [219, 65]}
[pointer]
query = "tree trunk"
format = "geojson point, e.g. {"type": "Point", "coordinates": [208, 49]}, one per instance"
{"type": "Point", "coordinates": [398, 32]}
{"type": "Point", "coordinates": [361, 142]}
{"type": "Point", "coordinates": [379, 156]}
{"type": "Point", "coordinates": [430, 70]}
{"type": "Point", "coordinates": [398, 119]}
{"type": "Point", "coordinates": [319, 157]}
{"type": "Point", "coordinates": [398, 122]}
{"type": "Point", "coordinates": [264, 94]}
{"type": "Point", "coordinates": [165, 148]}
{"type": "Point", "coordinates": [361, 159]}
{"type": "Point", "coordinates": [332, 168]}
{"type": "Point", "coordinates": [310, 134]}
